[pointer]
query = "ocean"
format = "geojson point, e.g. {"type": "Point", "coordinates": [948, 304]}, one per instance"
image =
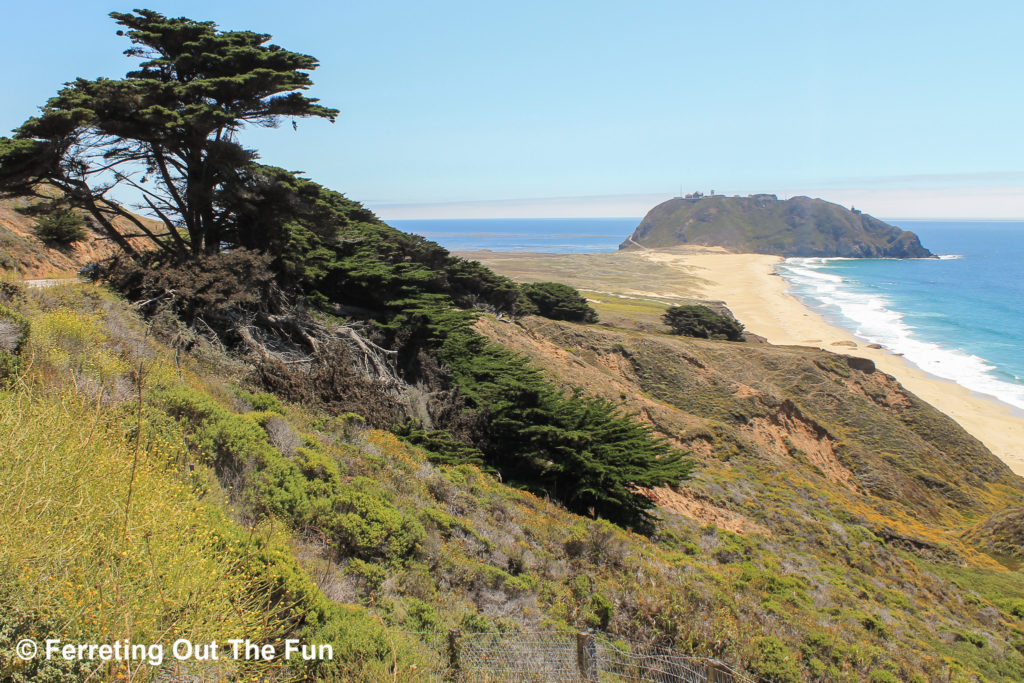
{"type": "Point", "coordinates": [959, 317]}
{"type": "Point", "coordinates": [558, 235]}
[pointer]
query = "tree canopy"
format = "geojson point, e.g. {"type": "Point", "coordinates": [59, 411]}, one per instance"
{"type": "Point", "coordinates": [167, 131]}
{"type": "Point", "coordinates": [62, 226]}
{"type": "Point", "coordinates": [580, 450]}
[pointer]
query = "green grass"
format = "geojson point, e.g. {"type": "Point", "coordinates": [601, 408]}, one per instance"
{"type": "Point", "coordinates": [102, 539]}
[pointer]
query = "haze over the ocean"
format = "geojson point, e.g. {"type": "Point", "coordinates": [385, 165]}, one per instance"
{"type": "Point", "coordinates": [469, 109]}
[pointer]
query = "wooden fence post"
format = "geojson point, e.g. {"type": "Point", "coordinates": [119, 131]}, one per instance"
{"type": "Point", "coordinates": [454, 651]}
{"type": "Point", "coordinates": [586, 656]}
{"type": "Point", "coordinates": [716, 674]}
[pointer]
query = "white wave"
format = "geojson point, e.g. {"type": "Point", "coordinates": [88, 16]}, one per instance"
{"type": "Point", "coordinates": [950, 257]}
{"type": "Point", "coordinates": [816, 275]}
{"type": "Point", "coordinates": [871, 319]}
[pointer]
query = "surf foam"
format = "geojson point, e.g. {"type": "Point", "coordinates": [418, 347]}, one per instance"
{"type": "Point", "coordinates": [871, 318]}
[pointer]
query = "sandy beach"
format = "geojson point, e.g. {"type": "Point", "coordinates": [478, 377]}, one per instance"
{"type": "Point", "coordinates": [759, 298]}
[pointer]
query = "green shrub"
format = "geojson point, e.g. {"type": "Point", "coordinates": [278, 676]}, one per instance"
{"type": "Point", "coordinates": [304, 490]}
{"type": "Point", "coordinates": [320, 469]}
{"type": "Point", "coordinates": [474, 622]}
{"type": "Point", "coordinates": [372, 575]}
{"type": "Point", "coordinates": [262, 401]}
{"type": "Point", "coordinates": [817, 667]}
{"type": "Point", "coordinates": [962, 635]}
{"type": "Point", "coordinates": [369, 527]}
{"type": "Point", "coordinates": [559, 302]}
{"type": "Point", "coordinates": [701, 321]}
{"type": "Point", "coordinates": [773, 661]}
{"type": "Point", "coordinates": [62, 226]}
{"type": "Point", "coordinates": [882, 676]}
{"type": "Point", "coordinates": [362, 648]}
{"type": "Point", "coordinates": [420, 615]}
{"type": "Point", "coordinates": [1015, 607]}
{"type": "Point", "coordinates": [872, 624]}
{"type": "Point", "coordinates": [603, 610]}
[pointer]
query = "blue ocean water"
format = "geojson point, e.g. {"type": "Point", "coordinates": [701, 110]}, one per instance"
{"type": "Point", "coordinates": [960, 317]}
{"type": "Point", "coordinates": [559, 235]}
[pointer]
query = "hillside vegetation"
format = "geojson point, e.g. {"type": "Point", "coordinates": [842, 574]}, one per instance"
{"type": "Point", "coordinates": [819, 539]}
{"type": "Point", "coordinates": [846, 496]}
{"type": "Point", "coordinates": [280, 417]}
{"type": "Point", "coordinates": [761, 224]}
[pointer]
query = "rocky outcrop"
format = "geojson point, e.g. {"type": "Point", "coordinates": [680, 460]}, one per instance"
{"type": "Point", "coordinates": [763, 224]}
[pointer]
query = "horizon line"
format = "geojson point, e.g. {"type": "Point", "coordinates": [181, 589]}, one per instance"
{"type": "Point", "coordinates": [937, 219]}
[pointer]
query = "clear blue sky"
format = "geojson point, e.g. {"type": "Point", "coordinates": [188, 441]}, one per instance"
{"type": "Point", "coordinates": [915, 106]}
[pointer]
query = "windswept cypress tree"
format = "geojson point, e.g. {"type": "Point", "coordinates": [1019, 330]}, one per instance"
{"type": "Point", "coordinates": [167, 131]}
{"type": "Point", "coordinates": [244, 246]}
{"type": "Point", "coordinates": [581, 451]}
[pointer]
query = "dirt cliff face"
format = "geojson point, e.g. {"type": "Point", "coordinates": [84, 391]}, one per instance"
{"type": "Point", "coordinates": [762, 224]}
{"type": "Point", "coordinates": [27, 256]}
{"type": "Point", "coordinates": [784, 433]}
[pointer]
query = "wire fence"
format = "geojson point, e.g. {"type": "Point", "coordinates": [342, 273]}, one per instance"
{"type": "Point", "coordinates": [551, 656]}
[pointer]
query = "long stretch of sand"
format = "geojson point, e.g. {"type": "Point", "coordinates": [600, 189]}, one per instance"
{"type": "Point", "coordinates": [760, 300]}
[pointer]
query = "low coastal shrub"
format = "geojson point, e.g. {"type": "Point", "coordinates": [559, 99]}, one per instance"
{"type": "Point", "coordinates": [701, 321]}
{"type": "Point", "coordinates": [366, 525]}
{"type": "Point", "coordinates": [305, 490]}
{"type": "Point", "coordinates": [773, 661]}
{"type": "Point", "coordinates": [559, 302]}
{"type": "Point", "coordinates": [63, 226]}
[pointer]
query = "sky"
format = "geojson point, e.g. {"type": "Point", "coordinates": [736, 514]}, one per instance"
{"type": "Point", "coordinates": [546, 109]}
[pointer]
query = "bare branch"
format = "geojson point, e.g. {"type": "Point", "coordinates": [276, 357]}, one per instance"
{"type": "Point", "coordinates": [172, 229]}
{"type": "Point", "coordinates": [140, 225]}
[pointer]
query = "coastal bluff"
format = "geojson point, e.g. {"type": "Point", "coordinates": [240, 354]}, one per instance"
{"type": "Point", "coordinates": [764, 224]}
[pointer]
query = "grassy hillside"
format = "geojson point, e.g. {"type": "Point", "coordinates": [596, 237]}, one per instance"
{"type": "Point", "coordinates": [761, 224]}
{"type": "Point", "coordinates": [818, 541]}
{"type": "Point", "coordinates": [834, 481]}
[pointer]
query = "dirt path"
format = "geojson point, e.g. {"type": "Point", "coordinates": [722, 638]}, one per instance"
{"type": "Point", "coordinates": [52, 282]}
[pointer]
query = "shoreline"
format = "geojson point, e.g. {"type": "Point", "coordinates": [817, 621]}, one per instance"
{"type": "Point", "coordinates": [761, 300]}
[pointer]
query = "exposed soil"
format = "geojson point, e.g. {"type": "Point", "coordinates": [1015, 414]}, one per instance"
{"type": "Point", "coordinates": [30, 257]}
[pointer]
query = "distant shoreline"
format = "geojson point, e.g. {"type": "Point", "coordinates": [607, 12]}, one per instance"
{"type": "Point", "coordinates": [758, 297]}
